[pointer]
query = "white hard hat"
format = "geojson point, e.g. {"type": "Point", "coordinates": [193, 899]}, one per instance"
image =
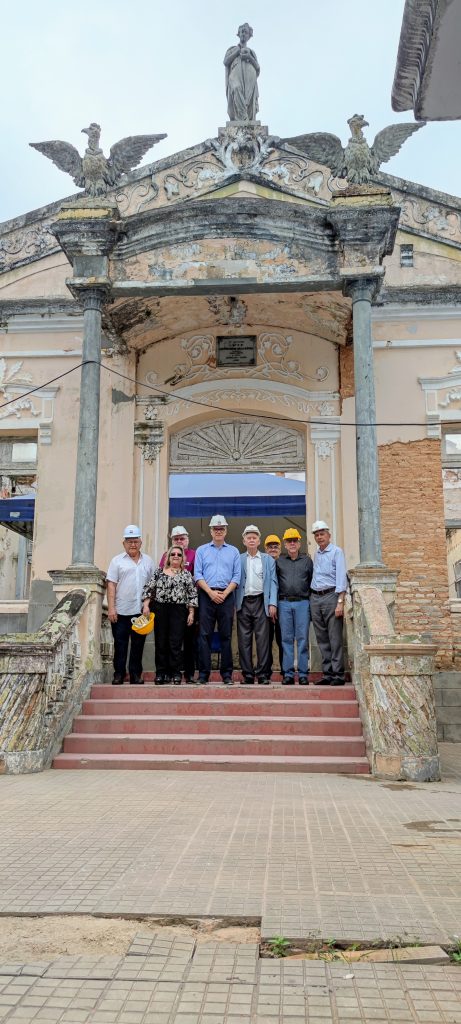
{"type": "Point", "coordinates": [218, 521]}
{"type": "Point", "coordinates": [320, 525]}
{"type": "Point", "coordinates": [177, 531]}
{"type": "Point", "coordinates": [131, 531]}
{"type": "Point", "coordinates": [251, 529]}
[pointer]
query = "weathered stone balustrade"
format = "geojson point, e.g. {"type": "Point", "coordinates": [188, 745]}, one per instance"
{"type": "Point", "coordinates": [393, 678]}
{"type": "Point", "coordinates": [44, 677]}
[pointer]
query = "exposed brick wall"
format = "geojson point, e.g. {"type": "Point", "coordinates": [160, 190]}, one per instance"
{"type": "Point", "coordinates": [346, 371]}
{"type": "Point", "coordinates": [413, 530]}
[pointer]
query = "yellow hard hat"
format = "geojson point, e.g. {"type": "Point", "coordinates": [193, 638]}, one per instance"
{"type": "Point", "coordinates": [291, 534]}
{"type": "Point", "coordinates": [272, 539]}
{"type": "Point", "coordinates": [143, 624]}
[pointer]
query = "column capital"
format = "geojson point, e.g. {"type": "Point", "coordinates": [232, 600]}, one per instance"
{"type": "Point", "coordinates": [92, 298]}
{"type": "Point", "coordinates": [362, 289]}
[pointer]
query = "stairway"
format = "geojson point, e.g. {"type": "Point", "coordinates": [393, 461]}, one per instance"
{"type": "Point", "coordinates": [218, 728]}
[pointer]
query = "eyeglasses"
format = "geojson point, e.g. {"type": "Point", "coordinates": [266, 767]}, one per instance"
{"type": "Point", "coordinates": [218, 527]}
{"type": "Point", "coordinates": [176, 554]}
{"type": "Point", "coordinates": [292, 540]}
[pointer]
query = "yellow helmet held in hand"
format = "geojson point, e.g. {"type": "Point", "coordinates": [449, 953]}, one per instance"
{"type": "Point", "coordinates": [143, 624]}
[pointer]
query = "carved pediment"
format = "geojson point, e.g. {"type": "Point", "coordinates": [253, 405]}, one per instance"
{"type": "Point", "coordinates": [234, 445]}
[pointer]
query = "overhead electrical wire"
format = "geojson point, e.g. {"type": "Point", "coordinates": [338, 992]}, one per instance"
{"type": "Point", "coordinates": [207, 405]}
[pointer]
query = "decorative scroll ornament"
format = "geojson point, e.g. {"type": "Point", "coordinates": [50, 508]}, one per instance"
{"type": "Point", "coordinates": [323, 448]}
{"type": "Point", "coordinates": [429, 218]}
{"type": "Point", "coordinates": [26, 244]}
{"type": "Point", "coordinates": [233, 445]}
{"type": "Point", "coordinates": [12, 375]}
{"type": "Point", "coordinates": [273, 349]}
{"type": "Point", "coordinates": [242, 149]}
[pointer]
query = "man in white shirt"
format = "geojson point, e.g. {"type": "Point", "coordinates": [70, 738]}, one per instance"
{"type": "Point", "coordinates": [126, 576]}
{"type": "Point", "coordinates": [256, 604]}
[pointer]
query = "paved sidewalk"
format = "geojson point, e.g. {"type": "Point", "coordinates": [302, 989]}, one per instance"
{"type": "Point", "coordinates": [178, 983]}
{"type": "Point", "coordinates": [311, 856]}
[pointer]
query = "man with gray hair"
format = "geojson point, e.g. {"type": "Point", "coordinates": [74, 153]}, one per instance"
{"type": "Point", "coordinates": [256, 603]}
{"type": "Point", "coordinates": [328, 588]}
{"type": "Point", "coordinates": [217, 575]}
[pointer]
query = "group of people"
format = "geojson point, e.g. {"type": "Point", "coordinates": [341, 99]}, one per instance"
{"type": "Point", "coordinates": [274, 595]}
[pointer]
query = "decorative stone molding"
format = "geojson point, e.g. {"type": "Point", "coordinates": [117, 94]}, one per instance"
{"type": "Point", "coordinates": [440, 394]}
{"type": "Point", "coordinates": [237, 392]}
{"type": "Point", "coordinates": [426, 217]}
{"type": "Point", "coordinates": [233, 445]}
{"type": "Point", "coordinates": [25, 244]}
{"type": "Point", "coordinates": [35, 412]}
{"type": "Point", "coordinates": [272, 360]}
{"type": "Point", "coordinates": [149, 438]}
{"type": "Point", "coordinates": [239, 148]}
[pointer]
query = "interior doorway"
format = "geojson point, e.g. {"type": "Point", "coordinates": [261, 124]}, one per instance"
{"type": "Point", "coordinates": [273, 501]}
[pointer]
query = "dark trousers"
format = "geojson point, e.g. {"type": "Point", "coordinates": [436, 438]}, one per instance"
{"type": "Point", "coordinates": [169, 629]}
{"type": "Point", "coordinates": [190, 649]}
{"type": "Point", "coordinates": [252, 619]}
{"type": "Point", "coordinates": [274, 630]}
{"type": "Point", "coordinates": [329, 632]}
{"type": "Point", "coordinates": [209, 614]}
{"type": "Point", "coordinates": [123, 634]}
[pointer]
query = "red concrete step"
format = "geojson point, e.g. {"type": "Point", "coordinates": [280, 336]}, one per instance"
{"type": "Point", "coordinates": [211, 743]}
{"type": "Point", "coordinates": [214, 691]}
{"type": "Point", "coordinates": [220, 708]}
{"type": "Point", "coordinates": [215, 762]}
{"type": "Point", "coordinates": [229, 725]}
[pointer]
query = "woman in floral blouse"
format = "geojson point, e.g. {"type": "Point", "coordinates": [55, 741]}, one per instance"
{"type": "Point", "coordinates": [174, 596]}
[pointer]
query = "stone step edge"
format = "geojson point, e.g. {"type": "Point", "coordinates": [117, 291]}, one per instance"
{"type": "Point", "coordinates": [217, 758]}
{"type": "Point", "coordinates": [212, 718]}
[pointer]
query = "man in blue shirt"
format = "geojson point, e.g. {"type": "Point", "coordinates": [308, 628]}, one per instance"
{"type": "Point", "coordinates": [328, 588]}
{"type": "Point", "coordinates": [217, 574]}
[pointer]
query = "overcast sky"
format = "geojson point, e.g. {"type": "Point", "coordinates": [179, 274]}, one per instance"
{"type": "Point", "coordinates": [158, 67]}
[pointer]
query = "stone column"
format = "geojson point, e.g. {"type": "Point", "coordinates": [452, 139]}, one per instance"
{"type": "Point", "coordinates": [362, 291]}
{"type": "Point", "coordinates": [87, 230]}
{"type": "Point", "coordinates": [86, 479]}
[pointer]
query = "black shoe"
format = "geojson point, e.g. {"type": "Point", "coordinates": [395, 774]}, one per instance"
{"type": "Point", "coordinates": [337, 682]}
{"type": "Point", "coordinates": [228, 681]}
{"type": "Point", "coordinates": [203, 680]}
{"type": "Point", "coordinates": [117, 681]}
{"type": "Point", "coordinates": [176, 680]}
{"type": "Point", "coordinates": [323, 682]}
{"type": "Point", "coordinates": [136, 681]}
{"type": "Point", "coordinates": [248, 681]}
{"type": "Point", "coordinates": [264, 681]}
{"type": "Point", "coordinates": [303, 681]}
{"type": "Point", "coordinates": [288, 681]}
{"type": "Point", "coordinates": [159, 680]}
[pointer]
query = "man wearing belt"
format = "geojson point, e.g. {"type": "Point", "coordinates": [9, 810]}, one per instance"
{"type": "Point", "coordinates": [294, 573]}
{"type": "Point", "coordinates": [256, 602]}
{"type": "Point", "coordinates": [273, 547]}
{"type": "Point", "coordinates": [217, 575]}
{"type": "Point", "coordinates": [126, 576]}
{"type": "Point", "coordinates": [328, 588]}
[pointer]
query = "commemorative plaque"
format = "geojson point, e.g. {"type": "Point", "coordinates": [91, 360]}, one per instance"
{"type": "Point", "coordinates": [239, 350]}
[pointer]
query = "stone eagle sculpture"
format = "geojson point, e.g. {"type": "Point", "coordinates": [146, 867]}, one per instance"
{"type": "Point", "coordinates": [94, 172]}
{"type": "Point", "coordinates": [358, 162]}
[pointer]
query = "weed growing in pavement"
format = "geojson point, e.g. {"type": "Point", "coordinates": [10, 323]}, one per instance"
{"type": "Point", "coordinates": [455, 952]}
{"type": "Point", "coordinates": [279, 946]}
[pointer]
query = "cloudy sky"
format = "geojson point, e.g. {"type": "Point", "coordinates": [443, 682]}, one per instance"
{"type": "Point", "coordinates": [157, 67]}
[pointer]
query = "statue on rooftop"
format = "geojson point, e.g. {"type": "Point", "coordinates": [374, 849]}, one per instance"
{"type": "Point", "coordinates": [358, 162]}
{"type": "Point", "coordinates": [242, 70]}
{"type": "Point", "coordinates": [94, 172]}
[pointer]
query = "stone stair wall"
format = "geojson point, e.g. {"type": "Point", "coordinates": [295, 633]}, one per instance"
{"type": "Point", "coordinates": [447, 689]}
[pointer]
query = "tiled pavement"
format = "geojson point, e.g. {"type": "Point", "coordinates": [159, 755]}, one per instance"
{"type": "Point", "coordinates": [225, 984]}
{"type": "Point", "coordinates": [310, 855]}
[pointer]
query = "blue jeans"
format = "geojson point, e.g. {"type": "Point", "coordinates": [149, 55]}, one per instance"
{"type": "Point", "coordinates": [294, 618]}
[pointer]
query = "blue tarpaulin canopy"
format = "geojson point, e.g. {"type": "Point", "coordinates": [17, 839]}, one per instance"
{"type": "Point", "coordinates": [193, 495]}
{"type": "Point", "coordinates": [18, 514]}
